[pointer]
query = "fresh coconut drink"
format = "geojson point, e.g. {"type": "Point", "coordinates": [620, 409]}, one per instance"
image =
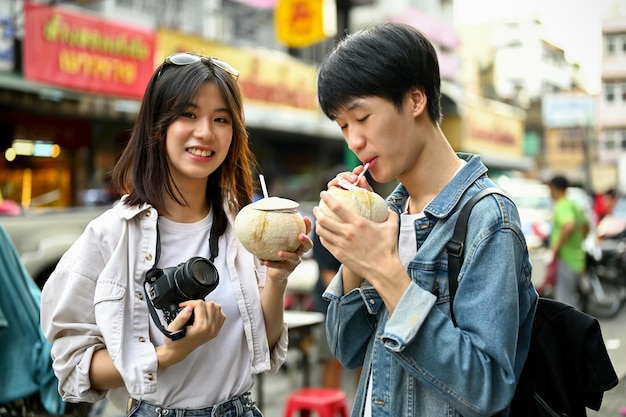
{"type": "Point", "coordinates": [363, 202]}
{"type": "Point", "coordinates": [269, 225]}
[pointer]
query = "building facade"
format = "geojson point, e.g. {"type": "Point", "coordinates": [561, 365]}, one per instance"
{"type": "Point", "coordinates": [515, 62]}
{"type": "Point", "coordinates": [611, 102]}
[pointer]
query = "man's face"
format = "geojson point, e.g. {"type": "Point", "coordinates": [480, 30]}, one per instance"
{"type": "Point", "coordinates": [379, 133]}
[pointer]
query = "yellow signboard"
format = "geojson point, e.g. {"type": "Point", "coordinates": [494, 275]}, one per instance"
{"type": "Point", "coordinates": [300, 23]}
{"type": "Point", "coordinates": [269, 77]}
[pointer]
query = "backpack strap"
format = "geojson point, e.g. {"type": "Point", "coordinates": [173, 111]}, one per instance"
{"type": "Point", "coordinates": [456, 244]}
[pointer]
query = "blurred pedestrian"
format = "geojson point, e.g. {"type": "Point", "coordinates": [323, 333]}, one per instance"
{"type": "Point", "coordinates": [610, 198]}
{"type": "Point", "coordinates": [569, 230]}
{"type": "Point", "coordinates": [604, 203]}
{"type": "Point", "coordinates": [389, 306]}
{"type": "Point", "coordinates": [184, 174]}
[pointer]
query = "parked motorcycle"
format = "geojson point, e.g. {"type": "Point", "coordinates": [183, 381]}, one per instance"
{"type": "Point", "coordinates": [603, 286]}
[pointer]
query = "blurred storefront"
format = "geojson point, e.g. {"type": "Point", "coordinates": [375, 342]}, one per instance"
{"type": "Point", "coordinates": [74, 86]}
{"type": "Point", "coordinates": [495, 131]}
{"type": "Point", "coordinates": [67, 103]}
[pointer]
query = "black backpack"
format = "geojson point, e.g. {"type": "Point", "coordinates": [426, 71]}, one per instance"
{"type": "Point", "coordinates": [568, 367]}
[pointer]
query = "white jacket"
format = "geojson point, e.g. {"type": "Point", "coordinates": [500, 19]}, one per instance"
{"type": "Point", "coordinates": [95, 299]}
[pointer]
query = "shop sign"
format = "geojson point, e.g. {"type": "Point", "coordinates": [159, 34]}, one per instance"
{"type": "Point", "coordinates": [266, 77]}
{"type": "Point", "coordinates": [301, 23]}
{"type": "Point", "coordinates": [492, 127]}
{"type": "Point", "coordinates": [567, 110]}
{"type": "Point", "coordinates": [82, 52]}
{"type": "Point", "coordinates": [6, 43]}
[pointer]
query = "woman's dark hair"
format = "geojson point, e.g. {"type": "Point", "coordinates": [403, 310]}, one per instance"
{"type": "Point", "coordinates": [142, 171]}
{"type": "Point", "coordinates": [386, 60]}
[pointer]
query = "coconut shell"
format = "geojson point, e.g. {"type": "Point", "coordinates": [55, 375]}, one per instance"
{"type": "Point", "coordinates": [365, 203]}
{"type": "Point", "coordinates": [264, 231]}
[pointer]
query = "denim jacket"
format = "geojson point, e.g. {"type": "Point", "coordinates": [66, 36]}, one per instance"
{"type": "Point", "coordinates": [421, 364]}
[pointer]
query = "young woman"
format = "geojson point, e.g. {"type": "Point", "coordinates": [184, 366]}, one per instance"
{"type": "Point", "coordinates": [117, 309]}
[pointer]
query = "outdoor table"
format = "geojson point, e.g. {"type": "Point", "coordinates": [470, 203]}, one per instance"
{"type": "Point", "coordinates": [300, 325]}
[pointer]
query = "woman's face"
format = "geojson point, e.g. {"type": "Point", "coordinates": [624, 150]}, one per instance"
{"type": "Point", "coordinates": [197, 142]}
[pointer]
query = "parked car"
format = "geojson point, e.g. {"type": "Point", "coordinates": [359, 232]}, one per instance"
{"type": "Point", "coordinates": [41, 236]}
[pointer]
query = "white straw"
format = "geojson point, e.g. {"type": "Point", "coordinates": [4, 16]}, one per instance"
{"type": "Point", "coordinates": [365, 167]}
{"type": "Point", "coordinates": [263, 186]}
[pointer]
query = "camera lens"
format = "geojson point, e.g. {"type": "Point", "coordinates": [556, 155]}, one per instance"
{"type": "Point", "coordinates": [203, 272]}
{"type": "Point", "coordinates": [199, 278]}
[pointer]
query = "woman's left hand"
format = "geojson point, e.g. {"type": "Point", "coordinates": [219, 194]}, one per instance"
{"type": "Point", "coordinates": [278, 271]}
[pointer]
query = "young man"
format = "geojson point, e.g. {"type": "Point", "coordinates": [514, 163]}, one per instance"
{"type": "Point", "coordinates": [389, 304]}
{"type": "Point", "coordinates": [569, 229]}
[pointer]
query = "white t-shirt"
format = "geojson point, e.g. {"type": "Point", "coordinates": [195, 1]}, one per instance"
{"type": "Point", "coordinates": [220, 368]}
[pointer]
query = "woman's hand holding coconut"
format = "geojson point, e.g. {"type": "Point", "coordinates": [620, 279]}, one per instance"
{"type": "Point", "coordinates": [274, 231]}
{"type": "Point", "coordinates": [277, 234]}
{"type": "Point", "coordinates": [356, 226]}
{"type": "Point", "coordinates": [278, 270]}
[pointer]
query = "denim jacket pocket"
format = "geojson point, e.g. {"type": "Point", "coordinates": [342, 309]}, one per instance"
{"type": "Point", "coordinates": [109, 312]}
{"type": "Point", "coordinates": [434, 280]}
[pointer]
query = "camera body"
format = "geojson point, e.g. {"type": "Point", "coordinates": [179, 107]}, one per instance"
{"type": "Point", "coordinates": [193, 279]}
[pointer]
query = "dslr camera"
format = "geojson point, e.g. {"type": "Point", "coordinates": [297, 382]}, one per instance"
{"type": "Point", "coordinates": [191, 280]}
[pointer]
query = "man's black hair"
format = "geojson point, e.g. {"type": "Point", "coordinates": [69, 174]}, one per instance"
{"type": "Point", "coordinates": [384, 61]}
{"type": "Point", "coordinates": [559, 182]}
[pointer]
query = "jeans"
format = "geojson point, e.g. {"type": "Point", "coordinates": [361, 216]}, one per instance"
{"type": "Point", "coordinates": [241, 406]}
{"type": "Point", "coordinates": [567, 281]}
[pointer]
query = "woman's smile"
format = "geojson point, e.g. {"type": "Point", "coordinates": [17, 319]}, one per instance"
{"type": "Point", "coordinates": [200, 152]}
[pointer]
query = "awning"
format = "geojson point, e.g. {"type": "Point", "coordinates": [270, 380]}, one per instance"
{"type": "Point", "coordinates": [258, 116]}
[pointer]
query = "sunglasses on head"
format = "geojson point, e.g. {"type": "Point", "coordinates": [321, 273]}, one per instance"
{"type": "Point", "coordinates": [186, 58]}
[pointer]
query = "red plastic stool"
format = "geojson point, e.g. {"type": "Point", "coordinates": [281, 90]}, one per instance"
{"type": "Point", "coordinates": [326, 402]}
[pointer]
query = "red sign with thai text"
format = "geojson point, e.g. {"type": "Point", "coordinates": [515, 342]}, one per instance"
{"type": "Point", "coordinates": [82, 52]}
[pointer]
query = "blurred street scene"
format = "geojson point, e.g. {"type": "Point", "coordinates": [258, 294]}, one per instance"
{"type": "Point", "coordinates": [533, 92]}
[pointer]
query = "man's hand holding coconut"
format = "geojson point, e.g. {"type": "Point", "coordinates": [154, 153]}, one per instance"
{"type": "Point", "coordinates": [355, 224]}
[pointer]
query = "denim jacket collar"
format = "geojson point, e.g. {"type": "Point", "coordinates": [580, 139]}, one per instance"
{"type": "Point", "coordinates": [445, 202]}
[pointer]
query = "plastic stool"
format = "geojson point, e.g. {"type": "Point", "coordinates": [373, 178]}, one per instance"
{"type": "Point", "coordinates": [326, 402]}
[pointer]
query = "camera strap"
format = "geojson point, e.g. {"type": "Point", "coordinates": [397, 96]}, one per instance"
{"type": "Point", "coordinates": [154, 272]}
